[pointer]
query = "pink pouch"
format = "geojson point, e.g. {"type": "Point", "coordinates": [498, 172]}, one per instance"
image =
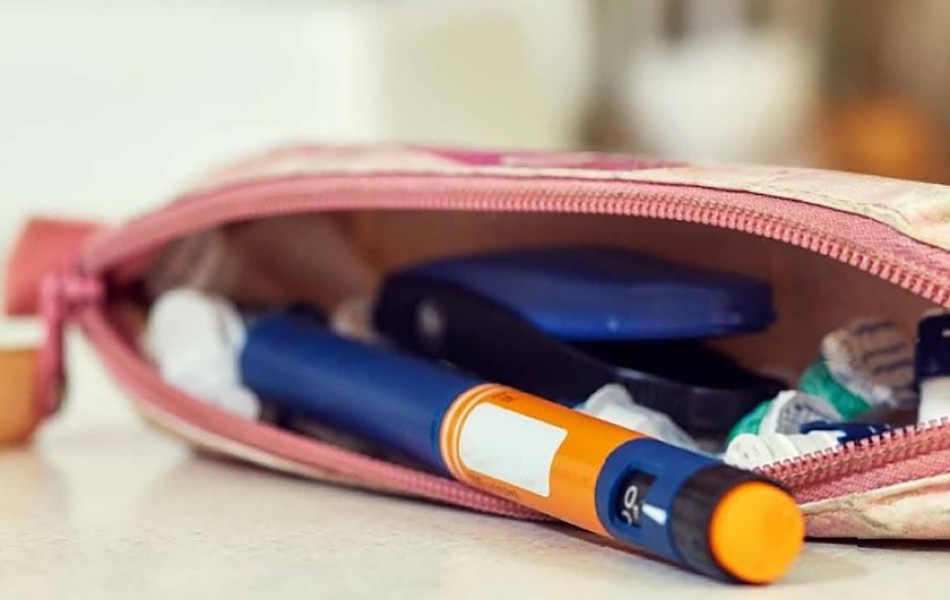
{"type": "Point", "coordinates": [834, 246]}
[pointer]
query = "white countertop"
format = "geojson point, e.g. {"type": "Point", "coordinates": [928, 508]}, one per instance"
{"type": "Point", "coordinates": [101, 507]}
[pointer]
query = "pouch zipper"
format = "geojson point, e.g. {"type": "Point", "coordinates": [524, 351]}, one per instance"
{"type": "Point", "coordinates": [300, 194]}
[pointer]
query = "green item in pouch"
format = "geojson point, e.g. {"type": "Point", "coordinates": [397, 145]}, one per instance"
{"type": "Point", "coordinates": [818, 381]}
{"type": "Point", "coordinates": [751, 422]}
{"type": "Point", "coordinates": [786, 414]}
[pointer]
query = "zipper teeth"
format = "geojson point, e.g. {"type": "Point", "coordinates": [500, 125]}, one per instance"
{"type": "Point", "coordinates": [217, 208]}
{"type": "Point", "coordinates": [202, 212]}
{"type": "Point", "coordinates": [877, 451]}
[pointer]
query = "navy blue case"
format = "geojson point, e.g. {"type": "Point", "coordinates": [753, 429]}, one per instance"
{"type": "Point", "coordinates": [563, 322]}
{"type": "Point", "coordinates": [603, 293]}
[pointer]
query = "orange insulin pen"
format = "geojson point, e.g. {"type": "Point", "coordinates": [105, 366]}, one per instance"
{"type": "Point", "coordinates": [685, 507]}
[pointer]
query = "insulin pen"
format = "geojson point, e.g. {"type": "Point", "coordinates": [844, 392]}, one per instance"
{"type": "Point", "coordinates": [680, 505]}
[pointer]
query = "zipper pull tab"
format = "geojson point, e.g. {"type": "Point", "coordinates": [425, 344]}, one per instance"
{"type": "Point", "coordinates": [61, 296]}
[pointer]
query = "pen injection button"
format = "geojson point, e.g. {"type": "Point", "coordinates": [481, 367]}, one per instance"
{"type": "Point", "coordinates": [732, 523]}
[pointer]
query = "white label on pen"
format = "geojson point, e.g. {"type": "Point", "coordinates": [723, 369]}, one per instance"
{"type": "Point", "coordinates": [510, 447]}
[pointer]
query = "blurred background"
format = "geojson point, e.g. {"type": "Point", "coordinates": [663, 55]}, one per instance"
{"type": "Point", "coordinates": [109, 107]}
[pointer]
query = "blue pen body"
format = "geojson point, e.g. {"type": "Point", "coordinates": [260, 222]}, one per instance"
{"type": "Point", "coordinates": [391, 399]}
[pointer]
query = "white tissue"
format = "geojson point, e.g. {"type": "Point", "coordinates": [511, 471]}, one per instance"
{"type": "Point", "coordinates": [195, 341]}
{"type": "Point", "coordinates": [613, 403]}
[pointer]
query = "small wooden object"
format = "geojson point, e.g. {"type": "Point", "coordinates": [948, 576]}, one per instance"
{"type": "Point", "coordinates": [18, 414]}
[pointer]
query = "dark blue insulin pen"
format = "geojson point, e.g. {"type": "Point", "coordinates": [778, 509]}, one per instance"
{"type": "Point", "coordinates": [683, 506]}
